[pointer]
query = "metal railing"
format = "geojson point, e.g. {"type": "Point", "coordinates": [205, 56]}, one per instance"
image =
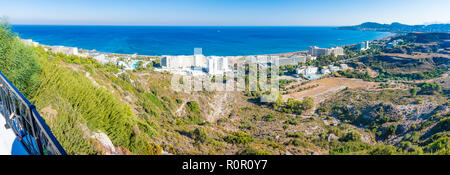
{"type": "Point", "coordinates": [22, 117]}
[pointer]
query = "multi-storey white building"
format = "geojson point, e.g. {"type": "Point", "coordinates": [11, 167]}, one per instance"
{"type": "Point", "coordinates": [65, 50]}
{"type": "Point", "coordinates": [217, 65]}
{"type": "Point", "coordinates": [316, 51]}
{"type": "Point", "coordinates": [213, 64]}
{"type": "Point", "coordinates": [363, 45]}
{"type": "Point", "coordinates": [178, 62]}
{"type": "Point", "coordinates": [199, 60]}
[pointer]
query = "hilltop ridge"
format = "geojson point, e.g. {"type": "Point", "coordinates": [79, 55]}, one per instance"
{"type": "Point", "coordinates": [397, 27]}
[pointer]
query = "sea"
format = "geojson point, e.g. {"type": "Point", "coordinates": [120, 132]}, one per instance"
{"type": "Point", "coordinates": [182, 40]}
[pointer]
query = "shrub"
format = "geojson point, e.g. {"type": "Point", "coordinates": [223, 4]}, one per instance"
{"type": "Point", "coordinates": [391, 130]}
{"type": "Point", "coordinates": [350, 147]}
{"type": "Point", "coordinates": [351, 136]}
{"type": "Point", "coordinates": [295, 135]}
{"type": "Point", "coordinates": [299, 142]}
{"type": "Point", "coordinates": [431, 88]}
{"type": "Point", "coordinates": [18, 62]}
{"type": "Point", "coordinates": [97, 106]}
{"type": "Point", "coordinates": [444, 124]}
{"type": "Point", "coordinates": [442, 144]}
{"type": "Point", "coordinates": [238, 137]}
{"type": "Point", "coordinates": [200, 135]}
{"type": "Point", "coordinates": [291, 121]}
{"type": "Point", "coordinates": [269, 117]}
{"type": "Point", "coordinates": [254, 151]}
{"type": "Point", "coordinates": [383, 150]}
{"type": "Point", "coordinates": [193, 107]}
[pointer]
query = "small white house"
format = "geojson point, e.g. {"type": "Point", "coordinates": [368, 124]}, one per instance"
{"type": "Point", "coordinates": [310, 70]}
{"type": "Point", "coordinates": [334, 68]}
{"type": "Point", "coordinates": [300, 70]}
{"type": "Point", "coordinates": [325, 71]}
{"type": "Point", "coordinates": [101, 58]}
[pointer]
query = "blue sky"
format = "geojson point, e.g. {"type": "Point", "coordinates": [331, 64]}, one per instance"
{"type": "Point", "coordinates": [224, 12]}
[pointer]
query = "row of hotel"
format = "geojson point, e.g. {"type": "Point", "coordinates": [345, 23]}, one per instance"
{"type": "Point", "coordinates": [127, 62]}
{"type": "Point", "coordinates": [200, 65]}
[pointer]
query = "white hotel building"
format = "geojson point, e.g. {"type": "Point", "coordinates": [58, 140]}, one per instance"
{"type": "Point", "coordinates": [213, 64]}
{"type": "Point", "coordinates": [316, 51]}
{"type": "Point", "coordinates": [217, 65]}
{"type": "Point", "coordinates": [65, 50]}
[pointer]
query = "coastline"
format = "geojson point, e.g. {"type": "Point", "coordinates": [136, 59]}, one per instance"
{"type": "Point", "coordinates": [391, 35]}
{"type": "Point", "coordinates": [132, 61]}
{"type": "Point", "coordinates": [275, 54]}
{"type": "Point", "coordinates": [215, 41]}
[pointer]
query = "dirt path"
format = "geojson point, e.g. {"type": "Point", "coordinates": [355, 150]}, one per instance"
{"type": "Point", "coordinates": [329, 86]}
{"type": "Point", "coordinates": [218, 106]}
{"type": "Point", "coordinates": [179, 111]}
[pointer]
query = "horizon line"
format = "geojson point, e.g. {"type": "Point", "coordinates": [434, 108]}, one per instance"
{"type": "Point", "coordinates": [156, 25]}
{"type": "Point", "coordinates": [176, 25]}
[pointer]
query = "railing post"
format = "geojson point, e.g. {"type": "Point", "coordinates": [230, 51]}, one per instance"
{"type": "Point", "coordinates": [36, 138]}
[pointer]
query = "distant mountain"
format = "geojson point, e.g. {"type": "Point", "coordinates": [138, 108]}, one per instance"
{"type": "Point", "coordinates": [425, 37]}
{"type": "Point", "coordinates": [397, 27]}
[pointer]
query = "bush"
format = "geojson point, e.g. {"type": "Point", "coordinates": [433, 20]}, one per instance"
{"type": "Point", "coordinates": [97, 106]}
{"type": "Point", "coordinates": [444, 124]}
{"type": "Point", "coordinates": [18, 62]}
{"type": "Point", "coordinates": [254, 151]}
{"type": "Point", "coordinates": [299, 142]}
{"type": "Point", "coordinates": [295, 135]}
{"type": "Point", "coordinates": [409, 147]}
{"type": "Point", "coordinates": [351, 136]}
{"type": "Point", "coordinates": [440, 145]}
{"type": "Point", "coordinates": [431, 88]}
{"type": "Point", "coordinates": [383, 150]}
{"type": "Point", "coordinates": [200, 135]}
{"type": "Point", "coordinates": [391, 130]}
{"type": "Point", "coordinates": [238, 137]}
{"type": "Point", "coordinates": [67, 127]}
{"type": "Point", "coordinates": [413, 92]}
{"type": "Point", "coordinates": [297, 107]}
{"type": "Point", "coordinates": [142, 146]}
{"type": "Point", "coordinates": [193, 107]}
{"type": "Point", "coordinates": [350, 148]}
{"type": "Point", "coordinates": [269, 117]}
{"type": "Point", "coordinates": [291, 121]}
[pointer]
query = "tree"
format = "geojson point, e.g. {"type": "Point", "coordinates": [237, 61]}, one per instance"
{"type": "Point", "coordinates": [279, 102]}
{"type": "Point", "coordinates": [431, 88]}
{"type": "Point", "coordinates": [392, 129]}
{"type": "Point", "coordinates": [140, 65]}
{"type": "Point", "coordinates": [308, 103]}
{"type": "Point", "coordinates": [200, 135]}
{"type": "Point", "coordinates": [413, 92]}
{"type": "Point", "coordinates": [351, 136]}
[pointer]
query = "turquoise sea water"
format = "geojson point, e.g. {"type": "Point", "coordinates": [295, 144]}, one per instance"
{"type": "Point", "coordinates": [177, 40]}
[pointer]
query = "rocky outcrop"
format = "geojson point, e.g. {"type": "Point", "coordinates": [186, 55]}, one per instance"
{"type": "Point", "coordinates": [332, 137]}
{"type": "Point", "coordinates": [104, 145]}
